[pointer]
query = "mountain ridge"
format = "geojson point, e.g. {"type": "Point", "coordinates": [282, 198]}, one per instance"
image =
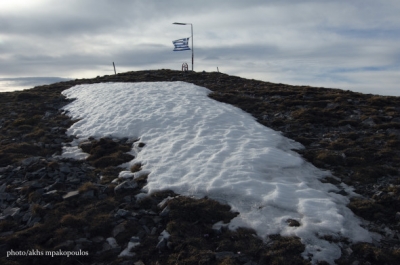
{"type": "Point", "coordinates": [354, 135]}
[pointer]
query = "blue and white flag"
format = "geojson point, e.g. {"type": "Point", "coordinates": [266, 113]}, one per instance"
{"type": "Point", "coordinates": [181, 44]}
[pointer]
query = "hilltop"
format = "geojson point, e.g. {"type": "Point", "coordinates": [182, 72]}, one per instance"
{"type": "Point", "coordinates": [356, 136]}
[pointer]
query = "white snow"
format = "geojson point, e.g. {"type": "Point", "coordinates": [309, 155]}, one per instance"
{"type": "Point", "coordinates": [200, 147]}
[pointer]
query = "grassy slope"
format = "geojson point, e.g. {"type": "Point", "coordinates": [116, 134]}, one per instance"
{"type": "Point", "coordinates": [352, 134]}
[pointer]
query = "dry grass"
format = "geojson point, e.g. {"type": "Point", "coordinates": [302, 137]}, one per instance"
{"type": "Point", "coordinates": [70, 220]}
{"type": "Point", "coordinates": [87, 186]}
{"type": "Point", "coordinates": [37, 209]}
{"type": "Point", "coordinates": [136, 167]}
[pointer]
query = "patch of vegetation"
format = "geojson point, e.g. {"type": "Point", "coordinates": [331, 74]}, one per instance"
{"type": "Point", "coordinates": [368, 209]}
{"type": "Point", "coordinates": [284, 250]}
{"type": "Point", "coordinates": [106, 153]}
{"type": "Point", "coordinates": [136, 167]}
{"type": "Point", "coordinates": [372, 255]}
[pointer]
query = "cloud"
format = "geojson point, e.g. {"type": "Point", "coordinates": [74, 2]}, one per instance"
{"type": "Point", "coordinates": [21, 83]}
{"type": "Point", "coordinates": [34, 81]}
{"type": "Point", "coordinates": [286, 40]}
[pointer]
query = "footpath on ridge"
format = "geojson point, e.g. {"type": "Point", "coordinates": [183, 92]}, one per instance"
{"type": "Point", "coordinates": [49, 203]}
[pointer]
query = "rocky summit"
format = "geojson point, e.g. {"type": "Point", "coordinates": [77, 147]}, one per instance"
{"type": "Point", "coordinates": [55, 210]}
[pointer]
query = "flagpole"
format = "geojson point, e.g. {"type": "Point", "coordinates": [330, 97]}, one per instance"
{"type": "Point", "coordinates": [191, 26]}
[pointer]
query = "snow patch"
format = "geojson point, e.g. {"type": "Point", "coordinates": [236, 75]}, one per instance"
{"type": "Point", "coordinates": [199, 147]}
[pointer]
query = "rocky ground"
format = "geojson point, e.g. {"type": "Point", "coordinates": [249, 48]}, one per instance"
{"type": "Point", "coordinates": [52, 207]}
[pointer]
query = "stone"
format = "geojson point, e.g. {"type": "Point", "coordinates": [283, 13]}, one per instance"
{"type": "Point", "coordinates": [7, 233]}
{"type": "Point", "coordinates": [3, 196]}
{"type": "Point", "coordinates": [332, 105]}
{"type": "Point", "coordinates": [126, 262]}
{"type": "Point", "coordinates": [134, 239]}
{"type": "Point", "coordinates": [127, 252]}
{"type": "Point", "coordinates": [66, 245]}
{"type": "Point", "coordinates": [74, 180]}
{"type": "Point", "coordinates": [118, 229]}
{"type": "Point", "coordinates": [164, 234]}
{"type": "Point", "coordinates": [26, 216]}
{"type": "Point", "coordinates": [165, 212]}
{"type": "Point", "coordinates": [58, 141]}
{"type": "Point", "coordinates": [83, 241]}
{"type": "Point", "coordinates": [349, 251]}
{"type": "Point", "coordinates": [146, 229]}
{"type": "Point", "coordinates": [162, 244]}
{"type": "Point", "coordinates": [112, 242]}
{"type": "Point", "coordinates": [157, 219]}
{"type": "Point", "coordinates": [88, 194]}
{"type": "Point", "coordinates": [56, 185]}
{"type": "Point", "coordinates": [369, 122]}
{"type": "Point", "coordinates": [293, 222]}
{"type": "Point", "coordinates": [71, 195]}
{"type": "Point", "coordinates": [126, 175]}
{"type": "Point", "coordinates": [251, 263]}
{"type": "Point", "coordinates": [97, 239]}
{"type": "Point", "coordinates": [5, 169]}
{"type": "Point", "coordinates": [126, 185]}
{"type": "Point", "coordinates": [224, 254]}
{"type": "Point", "coordinates": [33, 221]}
{"type": "Point", "coordinates": [141, 196]}
{"type": "Point", "coordinates": [219, 227]}
{"type": "Point", "coordinates": [10, 212]}
{"type": "Point", "coordinates": [40, 172]}
{"type": "Point", "coordinates": [11, 197]}
{"type": "Point", "coordinates": [48, 206]}
{"type": "Point", "coordinates": [122, 213]}
{"type": "Point", "coordinates": [128, 198]}
{"type": "Point", "coordinates": [30, 160]}
{"type": "Point", "coordinates": [36, 185]}
{"type": "Point", "coordinates": [397, 216]}
{"type": "Point", "coordinates": [50, 193]}
{"type": "Point", "coordinates": [141, 234]}
{"type": "Point", "coordinates": [65, 169]}
{"type": "Point", "coordinates": [102, 196]}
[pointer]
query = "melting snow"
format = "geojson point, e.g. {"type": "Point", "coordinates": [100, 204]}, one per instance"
{"type": "Point", "coordinates": [200, 147]}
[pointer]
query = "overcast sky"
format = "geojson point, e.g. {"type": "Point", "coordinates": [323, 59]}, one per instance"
{"type": "Point", "coordinates": [331, 43]}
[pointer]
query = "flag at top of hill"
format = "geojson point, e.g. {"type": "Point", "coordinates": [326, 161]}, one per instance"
{"type": "Point", "coordinates": [181, 44]}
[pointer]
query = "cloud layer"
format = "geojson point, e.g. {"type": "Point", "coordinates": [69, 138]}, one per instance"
{"type": "Point", "coordinates": [342, 44]}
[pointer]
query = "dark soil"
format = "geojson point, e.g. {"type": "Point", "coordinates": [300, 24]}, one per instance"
{"type": "Point", "coordinates": [356, 136]}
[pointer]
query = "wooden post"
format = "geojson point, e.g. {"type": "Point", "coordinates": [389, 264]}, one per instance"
{"type": "Point", "coordinates": [114, 69]}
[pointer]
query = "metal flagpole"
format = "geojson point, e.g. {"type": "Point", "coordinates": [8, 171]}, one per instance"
{"type": "Point", "coordinates": [191, 25]}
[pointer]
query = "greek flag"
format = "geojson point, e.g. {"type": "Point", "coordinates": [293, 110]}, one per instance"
{"type": "Point", "coordinates": [181, 44]}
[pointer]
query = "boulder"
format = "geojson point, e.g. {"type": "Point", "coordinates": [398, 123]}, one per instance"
{"type": "Point", "coordinates": [118, 229]}
{"type": "Point", "coordinates": [122, 213]}
{"type": "Point", "coordinates": [126, 185]}
{"type": "Point", "coordinates": [10, 213]}
{"type": "Point", "coordinates": [88, 194]}
{"type": "Point", "coordinates": [127, 252]}
{"type": "Point", "coordinates": [71, 195]}
{"type": "Point", "coordinates": [30, 161]}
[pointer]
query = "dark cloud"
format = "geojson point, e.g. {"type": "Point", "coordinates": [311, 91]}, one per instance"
{"type": "Point", "coordinates": [20, 83]}
{"type": "Point", "coordinates": [34, 81]}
